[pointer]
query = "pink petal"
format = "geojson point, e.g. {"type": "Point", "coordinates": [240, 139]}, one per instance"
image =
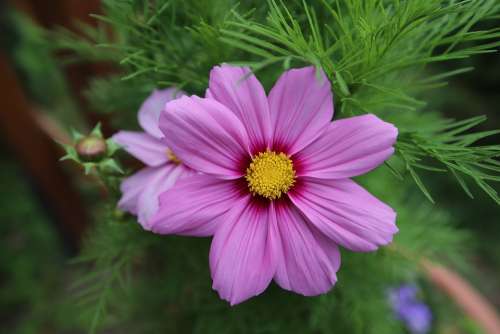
{"type": "Point", "coordinates": [301, 106]}
{"type": "Point", "coordinates": [240, 91]}
{"type": "Point", "coordinates": [346, 213]}
{"type": "Point", "coordinates": [164, 179]}
{"type": "Point", "coordinates": [132, 188]}
{"type": "Point", "coordinates": [242, 259]}
{"type": "Point", "coordinates": [308, 261]}
{"type": "Point", "coordinates": [206, 136]}
{"type": "Point", "coordinates": [208, 94]}
{"type": "Point", "coordinates": [349, 147]}
{"type": "Point", "coordinates": [140, 192]}
{"type": "Point", "coordinates": [150, 150]}
{"type": "Point", "coordinates": [194, 205]}
{"type": "Point", "coordinates": [149, 113]}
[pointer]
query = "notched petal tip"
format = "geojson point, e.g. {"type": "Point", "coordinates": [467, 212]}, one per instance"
{"type": "Point", "coordinates": [308, 260]}
{"type": "Point", "coordinates": [349, 147]}
{"type": "Point", "coordinates": [346, 213]}
{"type": "Point", "coordinates": [240, 91]}
{"type": "Point", "coordinates": [391, 129]}
{"type": "Point", "coordinates": [242, 262]}
{"type": "Point", "coordinates": [301, 108]}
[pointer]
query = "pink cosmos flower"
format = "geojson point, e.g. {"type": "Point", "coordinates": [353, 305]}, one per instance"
{"type": "Point", "coordinates": [141, 190]}
{"type": "Point", "coordinates": [275, 190]}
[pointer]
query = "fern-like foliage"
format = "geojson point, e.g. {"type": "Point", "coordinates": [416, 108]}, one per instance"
{"type": "Point", "coordinates": [371, 52]}
{"type": "Point", "coordinates": [106, 267]}
{"type": "Point", "coordinates": [361, 43]}
{"type": "Point", "coordinates": [448, 147]}
{"type": "Point", "coordinates": [374, 52]}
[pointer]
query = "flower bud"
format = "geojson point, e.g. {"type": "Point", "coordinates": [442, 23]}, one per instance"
{"type": "Point", "coordinates": [91, 148]}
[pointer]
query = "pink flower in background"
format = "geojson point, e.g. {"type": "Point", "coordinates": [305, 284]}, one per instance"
{"type": "Point", "coordinates": [275, 190]}
{"type": "Point", "coordinates": [140, 191]}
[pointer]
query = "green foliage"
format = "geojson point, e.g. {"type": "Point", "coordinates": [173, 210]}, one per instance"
{"type": "Point", "coordinates": [374, 52]}
{"type": "Point", "coordinates": [111, 95]}
{"type": "Point", "coordinates": [107, 259]}
{"type": "Point", "coordinates": [83, 43]}
{"type": "Point", "coordinates": [450, 146]}
{"type": "Point", "coordinates": [369, 50]}
{"type": "Point", "coordinates": [362, 44]}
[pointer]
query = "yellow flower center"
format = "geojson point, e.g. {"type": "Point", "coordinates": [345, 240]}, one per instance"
{"type": "Point", "coordinates": [270, 174]}
{"type": "Point", "coordinates": [172, 157]}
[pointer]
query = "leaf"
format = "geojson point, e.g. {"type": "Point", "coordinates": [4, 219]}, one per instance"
{"type": "Point", "coordinates": [420, 184]}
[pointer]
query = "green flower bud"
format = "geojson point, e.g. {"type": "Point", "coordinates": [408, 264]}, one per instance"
{"type": "Point", "coordinates": [91, 148]}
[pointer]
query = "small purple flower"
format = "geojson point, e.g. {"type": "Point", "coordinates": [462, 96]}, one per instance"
{"type": "Point", "coordinates": [140, 191]}
{"type": "Point", "coordinates": [415, 314]}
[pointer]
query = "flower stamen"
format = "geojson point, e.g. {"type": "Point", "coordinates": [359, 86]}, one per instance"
{"type": "Point", "coordinates": [270, 174]}
{"type": "Point", "coordinates": [172, 157]}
